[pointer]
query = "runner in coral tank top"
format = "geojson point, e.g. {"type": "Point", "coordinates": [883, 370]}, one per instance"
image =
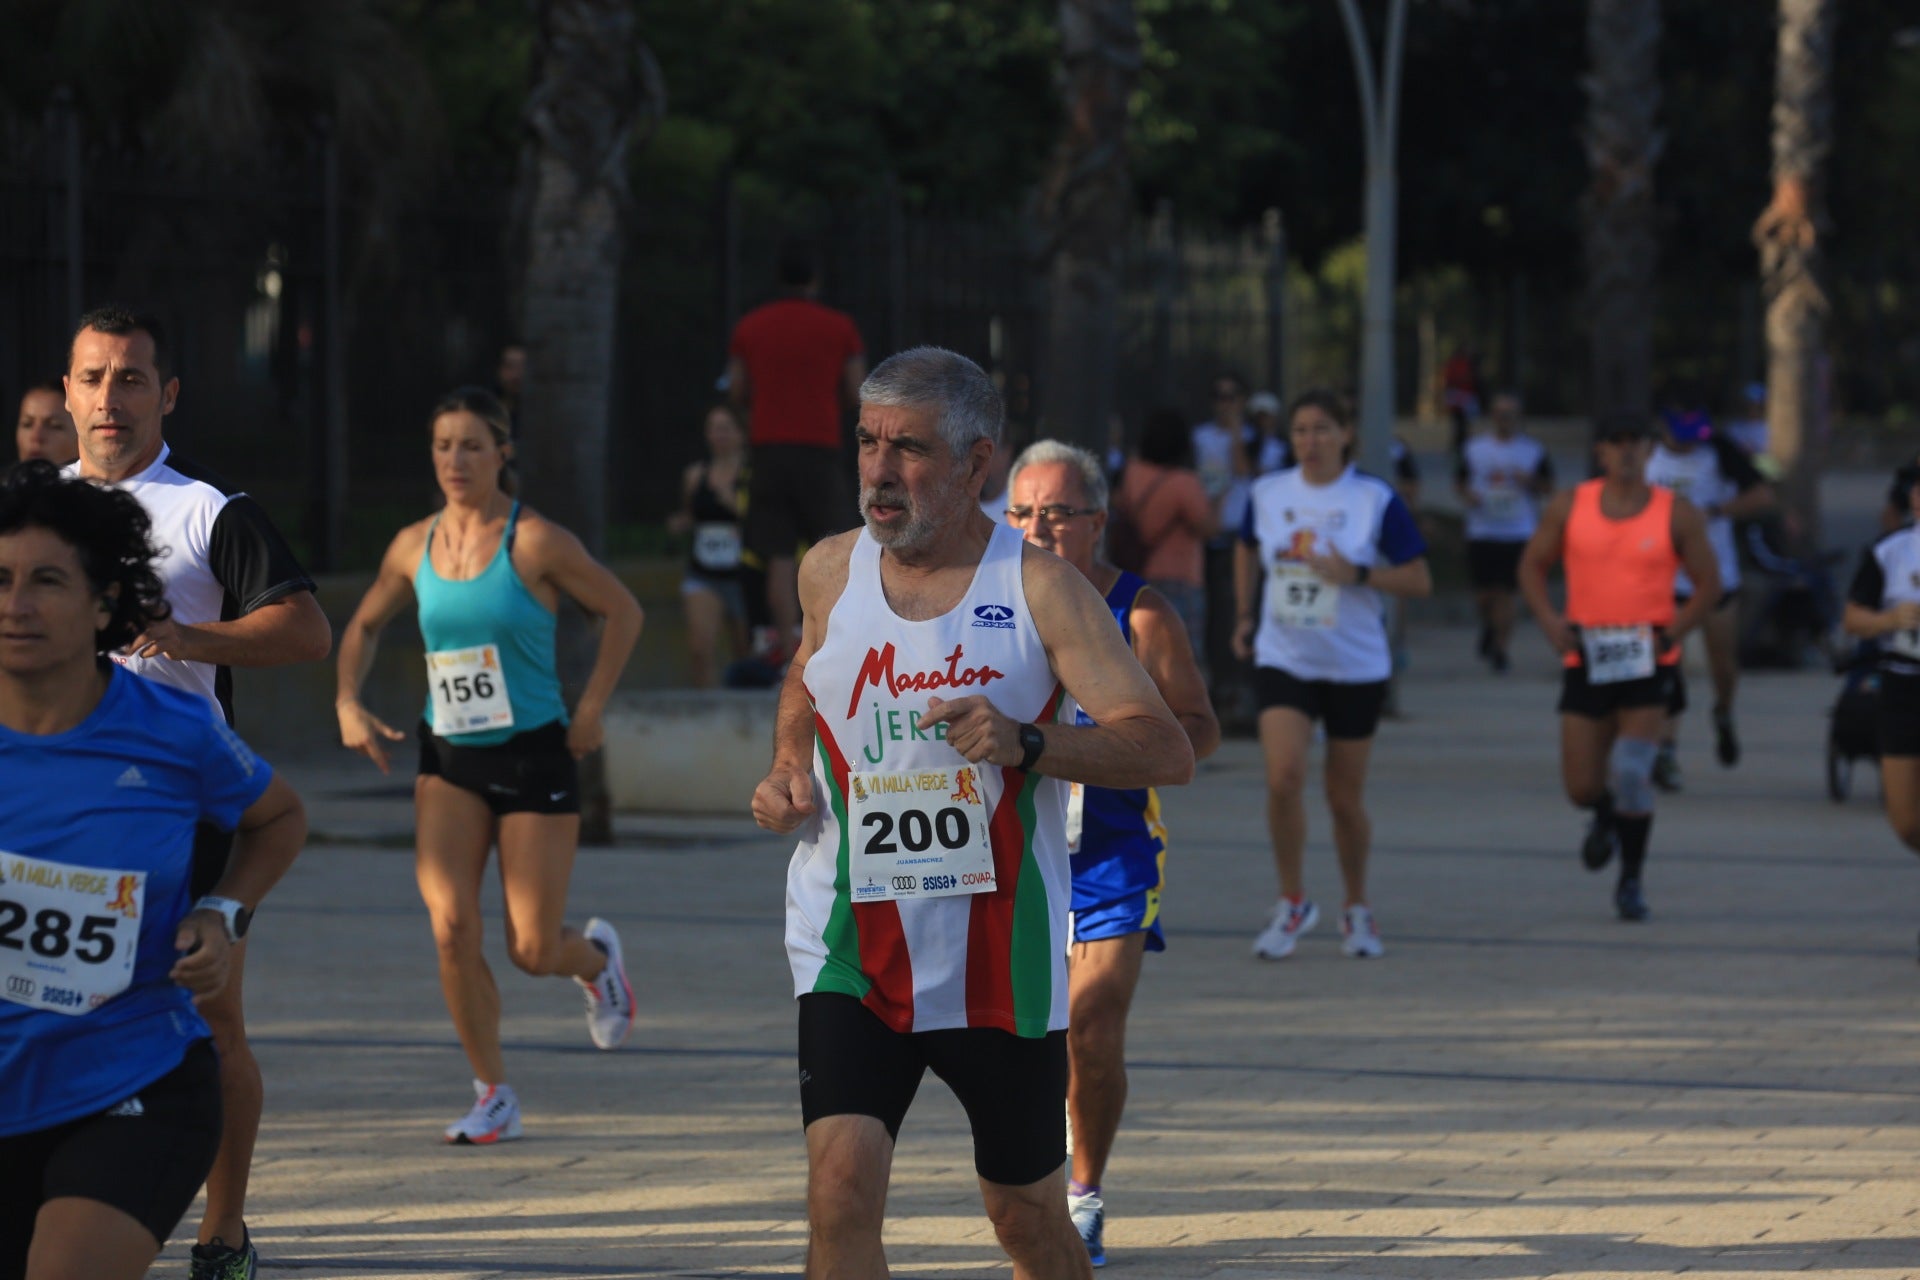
{"type": "Point", "coordinates": [1621, 541]}
{"type": "Point", "coordinates": [918, 758]}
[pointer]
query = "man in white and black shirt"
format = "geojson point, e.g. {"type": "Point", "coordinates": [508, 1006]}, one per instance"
{"type": "Point", "coordinates": [239, 599]}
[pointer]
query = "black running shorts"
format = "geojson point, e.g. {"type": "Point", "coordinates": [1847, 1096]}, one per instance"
{"type": "Point", "coordinates": [1598, 701]}
{"type": "Point", "coordinates": [1494, 564]}
{"type": "Point", "coordinates": [531, 772]}
{"type": "Point", "coordinates": [1898, 714]}
{"type": "Point", "coordinates": [148, 1164]}
{"type": "Point", "coordinates": [1351, 711]}
{"type": "Point", "coordinates": [1014, 1088]}
{"type": "Point", "coordinates": [798, 493]}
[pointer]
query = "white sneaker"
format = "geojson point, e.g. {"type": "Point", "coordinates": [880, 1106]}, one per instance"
{"type": "Point", "coordinates": [609, 996]}
{"type": "Point", "coordinates": [1290, 920]}
{"type": "Point", "coordinates": [1361, 935]}
{"type": "Point", "coordinates": [1090, 1220]}
{"type": "Point", "coordinates": [495, 1117]}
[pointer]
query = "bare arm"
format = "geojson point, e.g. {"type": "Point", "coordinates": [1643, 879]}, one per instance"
{"type": "Point", "coordinates": [1165, 652]}
{"type": "Point", "coordinates": [1749, 502]}
{"type": "Point", "coordinates": [784, 798]}
{"type": "Point", "coordinates": [562, 561]}
{"type": "Point", "coordinates": [739, 388]}
{"type": "Point", "coordinates": [1134, 740]}
{"type": "Point", "coordinates": [1696, 556]}
{"type": "Point", "coordinates": [682, 520]}
{"type": "Point", "coordinates": [392, 591]}
{"type": "Point", "coordinates": [1541, 554]}
{"type": "Point", "coordinates": [1246, 595]}
{"type": "Point", "coordinates": [272, 831]}
{"type": "Point", "coordinates": [1871, 624]}
{"type": "Point", "coordinates": [852, 374]}
{"type": "Point", "coordinates": [288, 630]}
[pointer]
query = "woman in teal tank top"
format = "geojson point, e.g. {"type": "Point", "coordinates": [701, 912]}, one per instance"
{"type": "Point", "coordinates": [498, 751]}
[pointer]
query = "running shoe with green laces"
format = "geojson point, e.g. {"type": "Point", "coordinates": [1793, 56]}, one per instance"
{"type": "Point", "coordinates": [1090, 1220]}
{"type": "Point", "coordinates": [216, 1260]}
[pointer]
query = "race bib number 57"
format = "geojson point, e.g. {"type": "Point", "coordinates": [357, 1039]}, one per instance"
{"type": "Point", "coordinates": [918, 834]}
{"type": "Point", "coordinates": [68, 934]}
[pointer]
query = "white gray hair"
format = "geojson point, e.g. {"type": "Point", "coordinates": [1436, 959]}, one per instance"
{"type": "Point", "coordinates": [947, 382]}
{"type": "Point", "coordinates": [1093, 478]}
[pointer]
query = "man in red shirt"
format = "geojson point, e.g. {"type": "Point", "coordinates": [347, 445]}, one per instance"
{"type": "Point", "coordinates": [792, 365]}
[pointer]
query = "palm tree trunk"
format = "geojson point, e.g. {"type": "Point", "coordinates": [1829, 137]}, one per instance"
{"type": "Point", "coordinates": [1084, 211]}
{"type": "Point", "coordinates": [581, 115]}
{"type": "Point", "coordinates": [1792, 268]}
{"type": "Point", "coordinates": [1623, 145]}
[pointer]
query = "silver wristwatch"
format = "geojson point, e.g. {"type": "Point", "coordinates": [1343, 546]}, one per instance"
{"type": "Point", "coordinates": [233, 913]}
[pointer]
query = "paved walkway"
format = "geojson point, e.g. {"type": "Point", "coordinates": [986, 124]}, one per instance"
{"type": "Point", "coordinates": [1523, 1087]}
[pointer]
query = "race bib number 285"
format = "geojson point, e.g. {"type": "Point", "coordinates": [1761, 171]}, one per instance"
{"type": "Point", "coordinates": [68, 934]}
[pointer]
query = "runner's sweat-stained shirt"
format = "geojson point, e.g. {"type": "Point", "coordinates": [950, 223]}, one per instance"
{"type": "Point", "coordinates": [990, 959]}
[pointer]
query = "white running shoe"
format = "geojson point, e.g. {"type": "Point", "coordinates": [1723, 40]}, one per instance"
{"type": "Point", "coordinates": [1361, 937]}
{"type": "Point", "coordinates": [1090, 1220]}
{"type": "Point", "coordinates": [495, 1117]}
{"type": "Point", "coordinates": [609, 996]}
{"type": "Point", "coordinates": [1290, 920]}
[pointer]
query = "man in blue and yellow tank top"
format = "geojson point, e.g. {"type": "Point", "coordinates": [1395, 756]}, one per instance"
{"type": "Point", "coordinates": [1058, 497]}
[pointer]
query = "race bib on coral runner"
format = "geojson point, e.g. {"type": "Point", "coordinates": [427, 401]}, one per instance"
{"type": "Point", "coordinates": [469, 691]}
{"type": "Point", "coordinates": [716, 546]}
{"type": "Point", "coordinates": [918, 833]}
{"type": "Point", "coordinates": [68, 934]}
{"type": "Point", "coordinates": [1615, 654]}
{"type": "Point", "coordinates": [1298, 597]}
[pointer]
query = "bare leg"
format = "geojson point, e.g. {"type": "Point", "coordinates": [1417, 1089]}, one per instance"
{"type": "Point", "coordinates": [536, 861]}
{"type": "Point", "coordinates": [1034, 1229]}
{"type": "Point", "coordinates": [1720, 631]}
{"type": "Point", "coordinates": [704, 616]}
{"type": "Point", "coordinates": [1346, 799]}
{"type": "Point", "coordinates": [1500, 618]}
{"type": "Point", "coordinates": [1900, 784]}
{"type": "Point", "coordinates": [1584, 744]}
{"type": "Point", "coordinates": [78, 1239]}
{"type": "Point", "coordinates": [454, 834]}
{"type": "Point", "coordinates": [849, 1160]}
{"type": "Point", "coordinates": [1285, 737]}
{"type": "Point", "coordinates": [1101, 977]}
{"type": "Point", "coordinates": [242, 1099]}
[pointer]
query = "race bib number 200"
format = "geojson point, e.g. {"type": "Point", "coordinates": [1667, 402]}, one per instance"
{"type": "Point", "coordinates": [68, 934]}
{"type": "Point", "coordinates": [918, 834]}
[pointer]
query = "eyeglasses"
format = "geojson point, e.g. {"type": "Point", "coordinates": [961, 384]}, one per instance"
{"type": "Point", "coordinates": [1056, 513]}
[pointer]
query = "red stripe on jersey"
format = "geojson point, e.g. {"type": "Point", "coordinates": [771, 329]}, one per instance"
{"type": "Point", "coordinates": [883, 942]}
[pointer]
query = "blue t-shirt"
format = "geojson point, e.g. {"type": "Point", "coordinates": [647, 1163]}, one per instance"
{"type": "Point", "coordinates": [118, 794]}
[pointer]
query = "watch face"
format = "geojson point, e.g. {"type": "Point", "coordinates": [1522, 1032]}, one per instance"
{"type": "Point", "coordinates": [241, 919]}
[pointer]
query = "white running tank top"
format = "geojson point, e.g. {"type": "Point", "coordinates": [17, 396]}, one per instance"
{"type": "Point", "coordinates": [993, 959]}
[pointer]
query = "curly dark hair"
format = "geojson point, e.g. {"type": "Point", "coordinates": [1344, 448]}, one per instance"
{"type": "Point", "coordinates": [108, 529]}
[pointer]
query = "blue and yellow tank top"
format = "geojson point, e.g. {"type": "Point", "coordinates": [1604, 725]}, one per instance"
{"type": "Point", "coordinates": [1115, 820]}
{"type": "Point", "coordinates": [495, 610]}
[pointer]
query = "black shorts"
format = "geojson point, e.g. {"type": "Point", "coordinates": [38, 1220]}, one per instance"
{"type": "Point", "coordinates": [1350, 710]}
{"type": "Point", "coordinates": [1494, 564]}
{"type": "Point", "coordinates": [1664, 688]}
{"type": "Point", "coordinates": [531, 772]}
{"type": "Point", "coordinates": [798, 493]}
{"type": "Point", "coordinates": [149, 1165]}
{"type": "Point", "coordinates": [1014, 1088]}
{"type": "Point", "coordinates": [1898, 714]}
{"type": "Point", "coordinates": [211, 849]}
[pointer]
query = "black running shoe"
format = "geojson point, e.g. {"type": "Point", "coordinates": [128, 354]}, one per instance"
{"type": "Point", "coordinates": [1486, 642]}
{"type": "Point", "coordinates": [1666, 770]}
{"type": "Point", "coordinates": [1596, 851]}
{"type": "Point", "coordinates": [1629, 901]}
{"type": "Point", "coordinates": [1500, 663]}
{"type": "Point", "coordinates": [1726, 742]}
{"type": "Point", "coordinates": [218, 1261]}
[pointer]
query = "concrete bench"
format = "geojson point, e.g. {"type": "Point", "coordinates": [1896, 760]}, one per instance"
{"type": "Point", "coordinates": [688, 750]}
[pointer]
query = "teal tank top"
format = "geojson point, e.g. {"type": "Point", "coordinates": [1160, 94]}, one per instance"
{"type": "Point", "coordinates": [494, 608]}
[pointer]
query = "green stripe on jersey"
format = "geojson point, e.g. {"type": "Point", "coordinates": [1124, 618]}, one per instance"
{"type": "Point", "coordinates": [1031, 961]}
{"type": "Point", "coordinates": [841, 971]}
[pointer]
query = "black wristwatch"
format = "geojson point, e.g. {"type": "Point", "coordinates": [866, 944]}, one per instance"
{"type": "Point", "coordinates": [1032, 743]}
{"type": "Point", "coordinates": [1361, 572]}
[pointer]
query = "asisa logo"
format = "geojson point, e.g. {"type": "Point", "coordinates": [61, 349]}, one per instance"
{"type": "Point", "coordinates": [878, 671]}
{"type": "Point", "coordinates": [998, 616]}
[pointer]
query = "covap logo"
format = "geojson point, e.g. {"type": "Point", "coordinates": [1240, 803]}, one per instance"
{"type": "Point", "coordinates": [997, 616]}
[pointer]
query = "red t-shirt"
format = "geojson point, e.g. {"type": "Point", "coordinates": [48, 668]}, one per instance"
{"type": "Point", "coordinates": [795, 351]}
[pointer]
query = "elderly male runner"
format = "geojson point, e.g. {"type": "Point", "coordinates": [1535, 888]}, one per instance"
{"type": "Point", "coordinates": [1058, 495]}
{"type": "Point", "coordinates": [239, 600]}
{"type": "Point", "coordinates": [916, 754]}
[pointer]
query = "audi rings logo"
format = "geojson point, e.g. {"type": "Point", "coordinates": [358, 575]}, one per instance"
{"type": "Point", "coordinates": [997, 616]}
{"type": "Point", "coordinates": [22, 988]}
{"type": "Point", "coordinates": [904, 883]}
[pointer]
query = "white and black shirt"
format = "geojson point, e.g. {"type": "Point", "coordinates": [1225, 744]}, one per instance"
{"type": "Point", "coordinates": [1889, 574]}
{"type": "Point", "coordinates": [1709, 475]}
{"type": "Point", "coordinates": [1506, 475]}
{"type": "Point", "coordinates": [220, 559]}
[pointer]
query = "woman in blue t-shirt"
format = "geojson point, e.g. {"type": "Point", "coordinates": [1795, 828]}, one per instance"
{"type": "Point", "coordinates": [109, 1089]}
